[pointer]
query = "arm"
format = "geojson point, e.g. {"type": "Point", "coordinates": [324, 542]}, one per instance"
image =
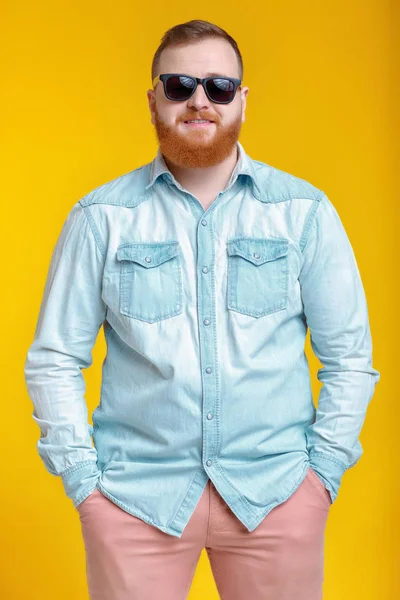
{"type": "Point", "coordinates": [336, 312]}
{"type": "Point", "coordinates": [70, 317]}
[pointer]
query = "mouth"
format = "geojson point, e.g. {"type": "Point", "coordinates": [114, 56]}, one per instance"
{"type": "Point", "coordinates": [198, 123]}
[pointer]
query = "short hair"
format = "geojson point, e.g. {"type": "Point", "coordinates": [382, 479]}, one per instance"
{"type": "Point", "coordinates": [193, 31]}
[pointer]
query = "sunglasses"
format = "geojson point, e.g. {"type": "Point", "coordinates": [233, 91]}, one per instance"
{"type": "Point", "coordinates": [178, 87]}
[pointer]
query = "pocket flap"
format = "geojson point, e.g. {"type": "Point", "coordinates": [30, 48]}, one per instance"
{"type": "Point", "coordinates": [148, 254]}
{"type": "Point", "coordinates": [258, 250]}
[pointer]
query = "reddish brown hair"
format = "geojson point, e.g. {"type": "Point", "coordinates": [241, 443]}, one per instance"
{"type": "Point", "coordinates": [193, 31]}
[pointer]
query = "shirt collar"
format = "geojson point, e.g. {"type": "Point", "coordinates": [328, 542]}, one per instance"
{"type": "Point", "coordinates": [244, 166]}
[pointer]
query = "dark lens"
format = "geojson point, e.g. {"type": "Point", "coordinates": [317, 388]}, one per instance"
{"type": "Point", "coordinates": [180, 88]}
{"type": "Point", "coordinates": [220, 90]}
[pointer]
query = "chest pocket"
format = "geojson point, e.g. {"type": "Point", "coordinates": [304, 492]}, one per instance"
{"type": "Point", "coordinates": [150, 280]}
{"type": "Point", "coordinates": [258, 275]}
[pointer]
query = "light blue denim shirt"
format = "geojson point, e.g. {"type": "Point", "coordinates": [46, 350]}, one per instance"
{"type": "Point", "coordinates": [205, 315]}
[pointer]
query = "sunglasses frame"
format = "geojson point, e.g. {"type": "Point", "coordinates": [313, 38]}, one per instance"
{"type": "Point", "coordinates": [164, 76]}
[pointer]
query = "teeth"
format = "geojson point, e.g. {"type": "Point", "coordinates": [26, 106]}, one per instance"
{"type": "Point", "coordinates": [198, 121]}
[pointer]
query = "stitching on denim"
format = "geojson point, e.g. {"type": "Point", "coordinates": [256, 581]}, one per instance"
{"type": "Point", "coordinates": [178, 282]}
{"type": "Point", "coordinates": [150, 244]}
{"type": "Point", "coordinates": [233, 265]}
{"type": "Point", "coordinates": [243, 498]}
{"type": "Point", "coordinates": [328, 457]}
{"type": "Point", "coordinates": [82, 497]}
{"type": "Point", "coordinates": [88, 200]}
{"type": "Point", "coordinates": [138, 513]}
{"type": "Point", "coordinates": [307, 224]}
{"type": "Point", "coordinates": [269, 507]}
{"type": "Point", "coordinates": [215, 337]}
{"type": "Point", "coordinates": [77, 467]}
{"type": "Point", "coordinates": [185, 499]}
{"type": "Point", "coordinates": [93, 227]}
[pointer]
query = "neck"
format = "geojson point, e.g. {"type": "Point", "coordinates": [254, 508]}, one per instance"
{"type": "Point", "coordinates": [205, 179]}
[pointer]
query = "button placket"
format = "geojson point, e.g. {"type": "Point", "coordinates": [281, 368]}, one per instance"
{"type": "Point", "coordinates": [206, 317]}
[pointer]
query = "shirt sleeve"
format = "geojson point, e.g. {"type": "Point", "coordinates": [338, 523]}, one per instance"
{"type": "Point", "coordinates": [336, 312]}
{"type": "Point", "coordinates": [71, 314]}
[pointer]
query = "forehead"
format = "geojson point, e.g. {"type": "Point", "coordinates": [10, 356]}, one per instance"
{"type": "Point", "coordinates": [201, 59]}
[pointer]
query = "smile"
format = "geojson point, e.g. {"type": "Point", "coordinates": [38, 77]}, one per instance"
{"type": "Point", "coordinates": [198, 123]}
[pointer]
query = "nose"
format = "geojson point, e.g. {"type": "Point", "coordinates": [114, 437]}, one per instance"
{"type": "Point", "coordinates": [199, 99]}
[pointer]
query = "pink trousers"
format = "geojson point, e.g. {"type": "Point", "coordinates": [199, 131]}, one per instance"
{"type": "Point", "coordinates": [282, 559]}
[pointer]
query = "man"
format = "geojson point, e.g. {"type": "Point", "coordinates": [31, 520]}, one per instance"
{"type": "Point", "coordinates": [205, 268]}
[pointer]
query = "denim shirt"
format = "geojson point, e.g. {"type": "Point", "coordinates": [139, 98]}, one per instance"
{"type": "Point", "coordinates": [205, 314]}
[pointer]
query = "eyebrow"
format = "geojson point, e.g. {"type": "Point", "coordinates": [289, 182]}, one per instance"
{"type": "Point", "coordinates": [214, 75]}
{"type": "Point", "coordinates": [211, 75]}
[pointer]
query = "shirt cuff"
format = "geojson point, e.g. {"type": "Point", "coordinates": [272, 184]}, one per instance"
{"type": "Point", "coordinates": [80, 480]}
{"type": "Point", "coordinates": [329, 470]}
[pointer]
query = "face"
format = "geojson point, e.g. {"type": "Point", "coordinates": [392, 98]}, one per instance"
{"type": "Point", "coordinates": [187, 145]}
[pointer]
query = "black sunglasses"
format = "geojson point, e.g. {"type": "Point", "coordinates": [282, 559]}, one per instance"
{"type": "Point", "coordinates": [180, 87]}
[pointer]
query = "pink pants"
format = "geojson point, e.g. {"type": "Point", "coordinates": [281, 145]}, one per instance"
{"type": "Point", "coordinates": [282, 559]}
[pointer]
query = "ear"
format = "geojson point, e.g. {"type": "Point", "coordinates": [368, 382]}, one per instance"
{"type": "Point", "coordinates": [243, 93]}
{"type": "Point", "coordinates": [151, 97]}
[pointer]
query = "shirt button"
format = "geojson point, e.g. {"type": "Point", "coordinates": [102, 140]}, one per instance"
{"type": "Point", "coordinates": [205, 269]}
{"type": "Point", "coordinates": [256, 255]}
{"type": "Point", "coordinates": [209, 416]}
{"type": "Point", "coordinates": [209, 463]}
{"type": "Point", "coordinates": [206, 322]}
{"type": "Point", "coordinates": [147, 259]}
{"type": "Point", "coordinates": [208, 370]}
{"type": "Point", "coordinates": [204, 222]}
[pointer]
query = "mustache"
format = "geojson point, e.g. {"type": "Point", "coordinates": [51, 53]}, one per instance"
{"type": "Point", "coordinates": [200, 116]}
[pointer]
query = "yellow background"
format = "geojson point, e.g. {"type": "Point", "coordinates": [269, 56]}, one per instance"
{"type": "Point", "coordinates": [323, 105]}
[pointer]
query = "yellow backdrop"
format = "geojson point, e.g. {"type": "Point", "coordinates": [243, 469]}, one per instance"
{"type": "Point", "coordinates": [322, 105]}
